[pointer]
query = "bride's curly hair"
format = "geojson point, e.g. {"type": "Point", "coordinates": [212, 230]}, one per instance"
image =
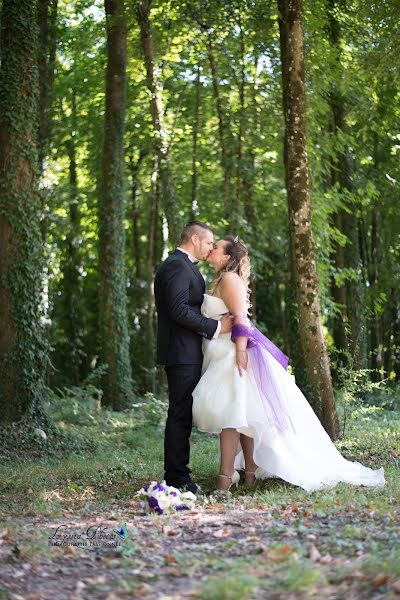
{"type": "Point", "coordinates": [239, 263]}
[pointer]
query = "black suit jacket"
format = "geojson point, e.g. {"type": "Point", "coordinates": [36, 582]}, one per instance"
{"type": "Point", "coordinates": [179, 288]}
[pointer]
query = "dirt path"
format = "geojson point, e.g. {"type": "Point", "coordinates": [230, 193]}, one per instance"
{"type": "Point", "coordinates": [291, 552]}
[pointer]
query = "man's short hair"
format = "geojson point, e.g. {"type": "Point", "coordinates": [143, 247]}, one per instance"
{"type": "Point", "coordinates": [194, 228]}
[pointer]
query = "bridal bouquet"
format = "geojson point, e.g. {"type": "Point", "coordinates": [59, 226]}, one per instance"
{"type": "Point", "coordinates": [164, 499]}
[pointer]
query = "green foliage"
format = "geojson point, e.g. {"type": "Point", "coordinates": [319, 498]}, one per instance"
{"type": "Point", "coordinates": [152, 409]}
{"type": "Point", "coordinates": [78, 405]}
{"type": "Point", "coordinates": [245, 41]}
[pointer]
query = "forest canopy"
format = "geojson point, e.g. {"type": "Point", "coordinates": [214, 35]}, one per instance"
{"type": "Point", "coordinates": [138, 117]}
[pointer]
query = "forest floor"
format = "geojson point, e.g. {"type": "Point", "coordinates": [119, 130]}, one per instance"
{"type": "Point", "coordinates": [274, 542]}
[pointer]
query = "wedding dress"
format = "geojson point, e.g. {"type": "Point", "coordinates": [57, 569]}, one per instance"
{"type": "Point", "coordinates": [289, 440]}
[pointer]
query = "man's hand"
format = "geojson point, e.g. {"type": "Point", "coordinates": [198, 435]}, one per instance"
{"type": "Point", "coordinates": [226, 323]}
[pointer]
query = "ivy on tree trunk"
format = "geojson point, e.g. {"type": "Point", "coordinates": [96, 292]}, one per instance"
{"type": "Point", "coordinates": [23, 350]}
{"type": "Point", "coordinates": [319, 383]}
{"type": "Point", "coordinates": [114, 336]}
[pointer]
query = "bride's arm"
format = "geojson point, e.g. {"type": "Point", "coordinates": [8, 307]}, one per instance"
{"type": "Point", "coordinates": [234, 295]}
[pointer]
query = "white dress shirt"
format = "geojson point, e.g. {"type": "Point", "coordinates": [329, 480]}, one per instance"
{"type": "Point", "coordinates": [194, 260]}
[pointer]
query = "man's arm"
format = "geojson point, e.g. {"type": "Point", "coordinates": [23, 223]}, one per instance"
{"type": "Point", "coordinates": [176, 284]}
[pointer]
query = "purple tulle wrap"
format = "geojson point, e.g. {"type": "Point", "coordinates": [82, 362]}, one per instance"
{"type": "Point", "coordinates": [266, 382]}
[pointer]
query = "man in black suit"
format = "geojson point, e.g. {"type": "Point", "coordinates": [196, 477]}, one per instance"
{"type": "Point", "coordinates": [179, 288]}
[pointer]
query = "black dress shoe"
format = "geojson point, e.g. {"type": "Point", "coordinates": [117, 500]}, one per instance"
{"type": "Point", "coordinates": [189, 487]}
{"type": "Point", "coordinates": [184, 486]}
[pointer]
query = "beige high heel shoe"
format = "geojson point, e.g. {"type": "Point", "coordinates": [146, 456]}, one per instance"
{"type": "Point", "coordinates": [235, 478]}
{"type": "Point", "coordinates": [256, 475]}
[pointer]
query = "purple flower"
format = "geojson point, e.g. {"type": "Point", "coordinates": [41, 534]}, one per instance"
{"type": "Point", "coordinates": [146, 487]}
{"type": "Point", "coordinates": [181, 507]}
{"type": "Point", "coordinates": [159, 487]}
{"type": "Point", "coordinates": [174, 494]}
{"type": "Point", "coordinates": [153, 503]}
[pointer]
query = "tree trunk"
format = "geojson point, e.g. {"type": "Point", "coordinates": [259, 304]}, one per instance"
{"type": "Point", "coordinates": [348, 296]}
{"type": "Point", "coordinates": [23, 350]}
{"type": "Point", "coordinates": [160, 134]}
{"type": "Point", "coordinates": [196, 129]}
{"type": "Point", "coordinates": [72, 277]}
{"type": "Point", "coordinates": [114, 337]}
{"type": "Point", "coordinates": [376, 342]}
{"type": "Point", "coordinates": [150, 329]}
{"type": "Point", "coordinates": [47, 14]}
{"type": "Point", "coordinates": [224, 135]}
{"type": "Point", "coordinates": [242, 116]}
{"type": "Point", "coordinates": [135, 210]}
{"type": "Point", "coordinates": [395, 339]}
{"type": "Point", "coordinates": [319, 388]}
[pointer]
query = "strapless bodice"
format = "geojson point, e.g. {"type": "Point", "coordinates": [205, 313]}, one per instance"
{"type": "Point", "coordinates": [213, 307]}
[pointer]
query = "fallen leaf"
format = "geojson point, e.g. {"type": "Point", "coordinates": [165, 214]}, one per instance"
{"type": "Point", "coordinates": [252, 538]}
{"type": "Point", "coordinates": [221, 533]}
{"type": "Point", "coordinates": [314, 553]}
{"type": "Point", "coordinates": [169, 558]}
{"type": "Point", "coordinates": [153, 544]}
{"type": "Point", "coordinates": [174, 572]}
{"type": "Point", "coordinates": [285, 549]}
{"type": "Point", "coordinates": [251, 530]}
{"type": "Point", "coordinates": [380, 579]}
{"type": "Point", "coordinates": [170, 531]}
{"type": "Point", "coordinates": [142, 590]}
{"type": "Point", "coordinates": [100, 579]}
{"type": "Point", "coordinates": [326, 559]}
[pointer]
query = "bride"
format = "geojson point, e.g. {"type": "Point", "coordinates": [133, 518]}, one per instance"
{"type": "Point", "coordinates": [246, 395]}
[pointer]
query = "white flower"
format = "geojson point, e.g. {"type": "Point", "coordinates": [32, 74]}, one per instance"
{"type": "Point", "coordinates": [188, 496]}
{"type": "Point", "coordinates": [175, 500]}
{"type": "Point", "coordinates": [164, 502]}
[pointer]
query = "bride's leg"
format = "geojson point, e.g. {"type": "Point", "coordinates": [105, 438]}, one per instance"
{"type": "Point", "coordinates": [247, 444]}
{"type": "Point", "coordinates": [229, 439]}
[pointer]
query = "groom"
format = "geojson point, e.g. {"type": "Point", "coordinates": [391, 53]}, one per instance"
{"type": "Point", "coordinates": [179, 288]}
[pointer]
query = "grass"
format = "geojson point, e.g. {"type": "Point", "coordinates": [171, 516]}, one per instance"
{"type": "Point", "coordinates": [356, 530]}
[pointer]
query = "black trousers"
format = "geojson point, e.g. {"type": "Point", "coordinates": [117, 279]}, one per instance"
{"type": "Point", "coordinates": [182, 379]}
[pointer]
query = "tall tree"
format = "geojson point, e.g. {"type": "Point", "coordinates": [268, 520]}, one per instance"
{"type": "Point", "coordinates": [319, 388]}
{"type": "Point", "coordinates": [114, 336]}
{"type": "Point", "coordinates": [22, 347]}
{"type": "Point", "coordinates": [223, 129]}
{"type": "Point", "coordinates": [47, 14]}
{"type": "Point", "coordinates": [347, 295]}
{"type": "Point", "coordinates": [160, 137]}
{"type": "Point", "coordinates": [72, 283]}
{"type": "Point", "coordinates": [195, 154]}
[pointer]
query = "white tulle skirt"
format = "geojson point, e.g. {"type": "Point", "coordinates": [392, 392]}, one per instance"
{"type": "Point", "coordinates": [303, 455]}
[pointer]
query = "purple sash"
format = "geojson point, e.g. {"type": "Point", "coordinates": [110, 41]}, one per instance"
{"type": "Point", "coordinates": [267, 385]}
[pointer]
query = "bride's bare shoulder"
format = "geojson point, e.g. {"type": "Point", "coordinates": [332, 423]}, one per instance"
{"type": "Point", "coordinates": [231, 279]}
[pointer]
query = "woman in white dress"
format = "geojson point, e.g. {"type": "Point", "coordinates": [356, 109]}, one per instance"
{"type": "Point", "coordinates": [245, 394]}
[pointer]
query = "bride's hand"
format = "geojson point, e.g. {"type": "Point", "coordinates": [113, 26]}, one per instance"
{"type": "Point", "coordinates": [241, 359]}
